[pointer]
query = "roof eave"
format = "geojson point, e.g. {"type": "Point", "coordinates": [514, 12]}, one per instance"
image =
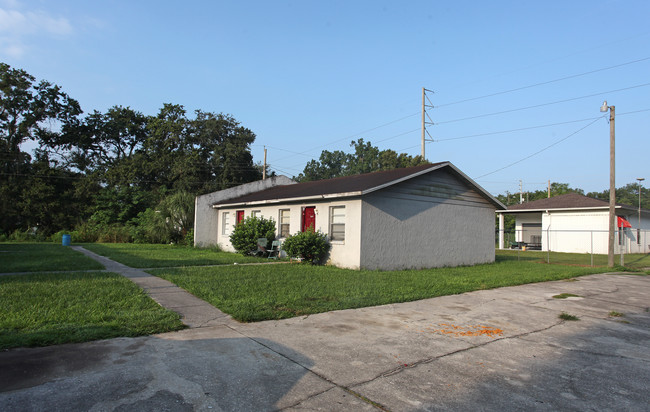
{"type": "Point", "coordinates": [404, 178]}
{"type": "Point", "coordinates": [560, 209]}
{"type": "Point", "coordinates": [287, 200]}
{"type": "Point", "coordinates": [476, 186]}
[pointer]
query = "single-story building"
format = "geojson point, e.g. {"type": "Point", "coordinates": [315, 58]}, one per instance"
{"type": "Point", "coordinates": [575, 223]}
{"type": "Point", "coordinates": [419, 217]}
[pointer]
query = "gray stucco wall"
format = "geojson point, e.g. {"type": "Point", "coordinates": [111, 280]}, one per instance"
{"type": "Point", "coordinates": [434, 220]}
{"type": "Point", "coordinates": [206, 219]}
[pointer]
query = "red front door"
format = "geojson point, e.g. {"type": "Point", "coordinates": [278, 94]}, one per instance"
{"type": "Point", "coordinates": [308, 218]}
{"type": "Point", "coordinates": [240, 216]}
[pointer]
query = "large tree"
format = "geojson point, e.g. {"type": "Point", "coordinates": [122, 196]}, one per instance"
{"type": "Point", "coordinates": [28, 110]}
{"type": "Point", "coordinates": [365, 159]}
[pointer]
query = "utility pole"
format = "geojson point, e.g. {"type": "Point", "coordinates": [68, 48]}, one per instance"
{"type": "Point", "coordinates": [264, 167]}
{"type": "Point", "coordinates": [549, 188]}
{"type": "Point", "coordinates": [424, 117]}
{"type": "Point", "coordinates": [612, 182]}
{"type": "Point", "coordinates": [521, 192]}
{"type": "Point", "coordinates": [423, 120]}
{"type": "Point", "coordinates": [638, 230]}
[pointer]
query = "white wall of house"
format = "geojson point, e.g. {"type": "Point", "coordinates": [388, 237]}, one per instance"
{"type": "Point", "coordinates": [344, 253]}
{"type": "Point", "coordinates": [575, 231]}
{"type": "Point", "coordinates": [206, 219]}
{"type": "Point", "coordinates": [585, 231]}
{"type": "Point", "coordinates": [433, 220]}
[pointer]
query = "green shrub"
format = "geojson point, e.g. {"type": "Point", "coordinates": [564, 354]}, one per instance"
{"type": "Point", "coordinates": [31, 235]}
{"type": "Point", "coordinates": [149, 227]}
{"type": "Point", "coordinates": [311, 246]}
{"type": "Point", "coordinates": [189, 238]}
{"type": "Point", "coordinates": [244, 237]}
{"type": "Point", "coordinates": [115, 234]}
{"type": "Point", "coordinates": [91, 232]}
{"type": "Point", "coordinates": [85, 233]}
{"type": "Point", "coordinates": [58, 236]}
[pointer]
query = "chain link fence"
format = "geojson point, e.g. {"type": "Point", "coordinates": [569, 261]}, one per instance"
{"type": "Point", "coordinates": [593, 244]}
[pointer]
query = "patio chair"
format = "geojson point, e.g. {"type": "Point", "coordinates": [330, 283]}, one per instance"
{"type": "Point", "coordinates": [261, 247]}
{"type": "Point", "coordinates": [274, 252]}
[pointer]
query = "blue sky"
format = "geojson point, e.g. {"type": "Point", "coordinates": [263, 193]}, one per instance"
{"type": "Point", "coordinates": [307, 76]}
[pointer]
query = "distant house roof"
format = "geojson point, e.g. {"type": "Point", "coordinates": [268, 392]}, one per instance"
{"type": "Point", "coordinates": [347, 186]}
{"type": "Point", "coordinates": [567, 201]}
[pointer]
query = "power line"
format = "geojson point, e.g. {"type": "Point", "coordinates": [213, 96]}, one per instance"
{"type": "Point", "coordinates": [354, 135]}
{"type": "Point", "coordinates": [537, 64]}
{"type": "Point", "coordinates": [305, 153]}
{"type": "Point", "coordinates": [515, 130]}
{"type": "Point", "coordinates": [542, 150]}
{"type": "Point", "coordinates": [544, 104]}
{"type": "Point", "coordinates": [542, 83]}
{"type": "Point", "coordinates": [533, 127]}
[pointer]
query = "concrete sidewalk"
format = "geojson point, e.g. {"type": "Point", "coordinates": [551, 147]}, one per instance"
{"type": "Point", "coordinates": [194, 312]}
{"type": "Point", "coordinates": [501, 349]}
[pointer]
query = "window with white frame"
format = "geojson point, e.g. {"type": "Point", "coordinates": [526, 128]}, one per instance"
{"type": "Point", "coordinates": [284, 228]}
{"type": "Point", "coordinates": [337, 223]}
{"type": "Point", "coordinates": [224, 223]}
{"type": "Point", "coordinates": [256, 213]}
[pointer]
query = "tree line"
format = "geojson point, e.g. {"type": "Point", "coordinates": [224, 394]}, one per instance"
{"type": "Point", "coordinates": [117, 171]}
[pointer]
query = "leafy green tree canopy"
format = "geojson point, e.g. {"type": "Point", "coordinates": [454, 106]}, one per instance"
{"type": "Point", "coordinates": [365, 159]}
{"type": "Point", "coordinates": [26, 107]}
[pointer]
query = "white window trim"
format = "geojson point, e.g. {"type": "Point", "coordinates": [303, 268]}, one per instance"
{"type": "Point", "coordinates": [331, 218]}
{"type": "Point", "coordinates": [224, 223]}
{"type": "Point", "coordinates": [280, 222]}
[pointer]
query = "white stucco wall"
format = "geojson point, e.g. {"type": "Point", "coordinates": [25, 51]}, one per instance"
{"type": "Point", "coordinates": [575, 231]}
{"type": "Point", "coordinates": [585, 231]}
{"type": "Point", "coordinates": [343, 253]}
{"type": "Point", "coordinates": [206, 219]}
{"type": "Point", "coordinates": [433, 221]}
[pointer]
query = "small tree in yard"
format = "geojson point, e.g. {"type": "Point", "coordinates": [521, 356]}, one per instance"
{"type": "Point", "coordinates": [244, 237]}
{"type": "Point", "coordinates": [310, 245]}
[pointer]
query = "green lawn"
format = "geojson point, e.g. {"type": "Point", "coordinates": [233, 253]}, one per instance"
{"type": "Point", "coordinates": [254, 293]}
{"type": "Point", "coordinates": [43, 309]}
{"type": "Point", "coordinates": [631, 261]}
{"type": "Point", "coordinates": [40, 257]}
{"type": "Point", "coordinates": [156, 256]}
{"type": "Point", "coordinates": [49, 309]}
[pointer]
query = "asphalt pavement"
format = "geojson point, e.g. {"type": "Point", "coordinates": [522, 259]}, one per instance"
{"type": "Point", "coordinates": [501, 349]}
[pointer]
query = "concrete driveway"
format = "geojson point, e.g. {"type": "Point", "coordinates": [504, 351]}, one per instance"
{"type": "Point", "coordinates": [502, 349]}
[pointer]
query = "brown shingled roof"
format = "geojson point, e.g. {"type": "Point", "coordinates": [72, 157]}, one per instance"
{"type": "Point", "coordinates": [567, 201]}
{"type": "Point", "coordinates": [345, 184]}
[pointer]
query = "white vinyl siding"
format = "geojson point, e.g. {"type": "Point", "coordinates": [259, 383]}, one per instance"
{"type": "Point", "coordinates": [337, 223]}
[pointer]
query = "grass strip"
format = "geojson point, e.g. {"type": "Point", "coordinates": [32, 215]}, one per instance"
{"type": "Point", "coordinates": [42, 257]}
{"type": "Point", "coordinates": [48, 309]}
{"type": "Point", "coordinates": [156, 256]}
{"type": "Point", "coordinates": [631, 260]}
{"type": "Point", "coordinates": [255, 293]}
